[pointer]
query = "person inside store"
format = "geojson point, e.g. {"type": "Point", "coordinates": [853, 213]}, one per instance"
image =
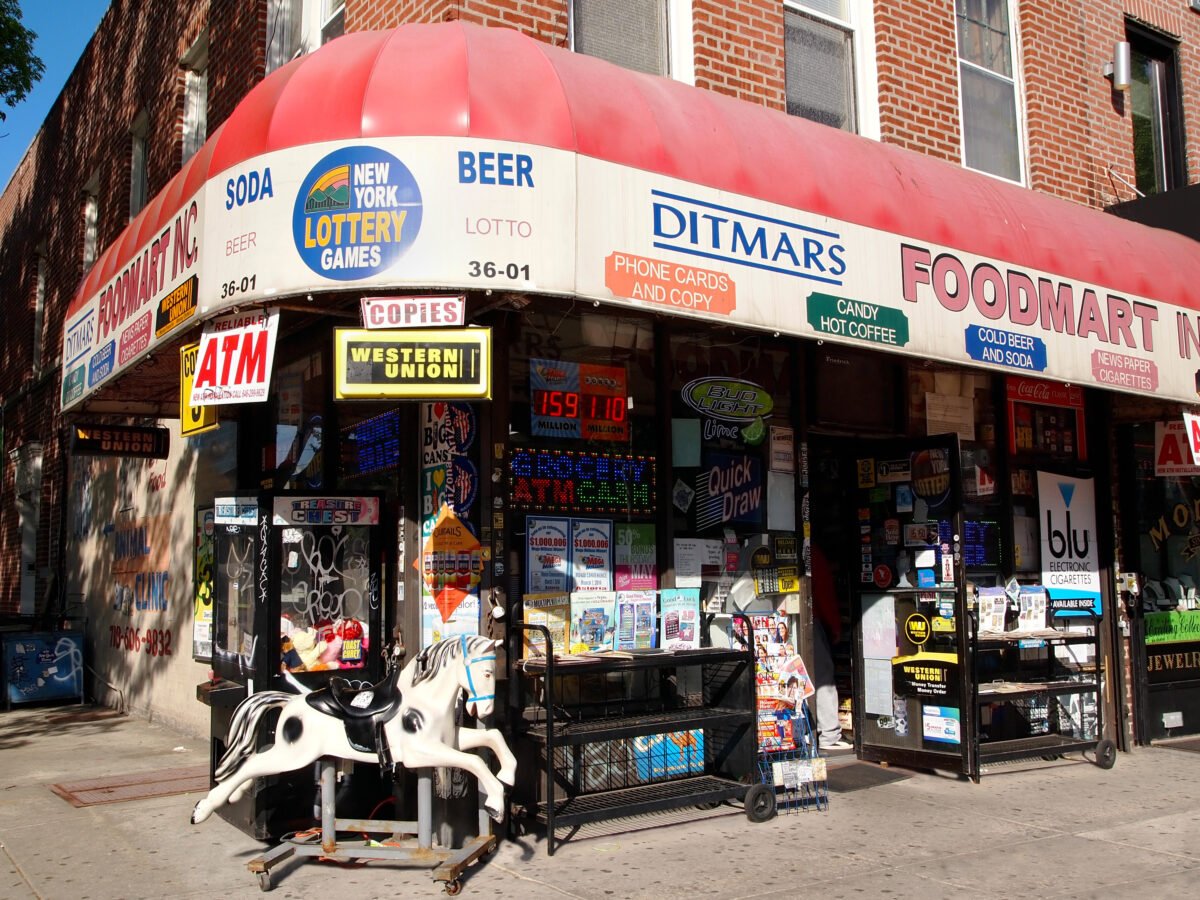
{"type": "Point", "coordinates": [827, 630]}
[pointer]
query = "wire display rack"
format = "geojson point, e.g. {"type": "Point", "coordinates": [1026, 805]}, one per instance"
{"type": "Point", "coordinates": [797, 773]}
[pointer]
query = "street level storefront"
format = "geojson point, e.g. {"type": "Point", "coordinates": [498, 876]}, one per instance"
{"type": "Point", "coordinates": [675, 327]}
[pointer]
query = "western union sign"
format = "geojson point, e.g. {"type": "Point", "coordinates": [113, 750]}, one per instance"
{"type": "Point", "coordinates": [413, 365]}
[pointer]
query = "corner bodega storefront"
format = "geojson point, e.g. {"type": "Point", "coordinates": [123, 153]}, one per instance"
{"type": "Point", "coordinates": [635, 421]}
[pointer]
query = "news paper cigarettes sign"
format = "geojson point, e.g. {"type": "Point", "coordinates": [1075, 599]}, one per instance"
{"type": "Point", "coordinates": [235, 359]}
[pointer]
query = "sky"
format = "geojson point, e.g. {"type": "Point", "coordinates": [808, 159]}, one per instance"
{"type": "Point", "coordinates": [63, 29]}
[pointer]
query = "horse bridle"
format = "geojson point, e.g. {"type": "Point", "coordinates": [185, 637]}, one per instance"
{"type": "Point", "coordinates": [472, 697]}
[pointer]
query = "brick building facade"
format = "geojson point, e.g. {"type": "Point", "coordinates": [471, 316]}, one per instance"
{"type": "Point", "coordinates": [1076, 144]}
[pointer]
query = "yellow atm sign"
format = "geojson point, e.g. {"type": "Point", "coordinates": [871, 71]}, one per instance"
{"type": "Point", "coordinates": [192, 419]}
{"type": "Point", "coordinates": [434, 364]}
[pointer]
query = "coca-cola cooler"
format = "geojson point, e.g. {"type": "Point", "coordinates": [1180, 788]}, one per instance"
{"type": "Point", "coordinates": [297, 588]}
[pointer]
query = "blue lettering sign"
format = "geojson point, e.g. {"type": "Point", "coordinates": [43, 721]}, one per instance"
{"type": "Point", "coordinates": [1006, 348]}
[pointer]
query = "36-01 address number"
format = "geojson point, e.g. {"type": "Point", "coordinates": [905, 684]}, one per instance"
{"type": "Point", "coordinates": [498, 270]}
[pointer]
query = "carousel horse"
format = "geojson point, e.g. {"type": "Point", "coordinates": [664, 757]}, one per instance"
{"type": "Point", "coordinates": [408, 716]}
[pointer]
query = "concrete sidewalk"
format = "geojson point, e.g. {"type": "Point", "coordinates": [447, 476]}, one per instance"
{"type": "Point", "coordinates": [1063, 829]}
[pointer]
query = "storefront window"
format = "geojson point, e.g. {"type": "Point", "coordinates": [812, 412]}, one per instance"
{"type": "Point", "coordinates": [369, 447]}
{"type": "Point", "coordinates": [733, 470]}
{"type": "Point", "coordinates": [582, 474]}
{"type": "Point", "coordinates": [295, 455]}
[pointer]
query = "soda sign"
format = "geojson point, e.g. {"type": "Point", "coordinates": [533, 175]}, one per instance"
{"type": "Point", "coordinates": [235, 358]}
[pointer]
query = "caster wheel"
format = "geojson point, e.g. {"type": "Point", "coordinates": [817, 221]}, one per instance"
{"type": "Point", "coordinates": [711, 804]}
{"type": "Point", "coordinates": [453, 888]}
{"type": "Point", "coordinates": [264, 881]}
{"type": "Point", "coordinates": [760, 802]}
{"type": "Point", "coordinates": [1106, 754]}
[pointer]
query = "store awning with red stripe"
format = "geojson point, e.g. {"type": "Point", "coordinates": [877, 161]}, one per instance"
{"type": "Point", "coordinates": [625, 161]}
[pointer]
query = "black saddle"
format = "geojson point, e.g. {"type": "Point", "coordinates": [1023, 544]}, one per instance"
{"type": "Point", "coordinates": [363, 708]}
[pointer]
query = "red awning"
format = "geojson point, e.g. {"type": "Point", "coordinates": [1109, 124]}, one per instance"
{"type": "Point", "coordinates": [459, 80]}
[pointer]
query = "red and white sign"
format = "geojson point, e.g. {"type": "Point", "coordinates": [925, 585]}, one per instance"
{"type": "Point", "coordinates": [235, 358]}
{"type": "Point", "coordinates": [1191, 432]}
{"type": "Point", "coordinates": [412, 312]}
{"type": "Point", "coordinates": [1172, 455]}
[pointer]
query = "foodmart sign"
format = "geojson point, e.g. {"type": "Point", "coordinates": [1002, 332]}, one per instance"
{"type": "Point", "coordinates": [561, 230]}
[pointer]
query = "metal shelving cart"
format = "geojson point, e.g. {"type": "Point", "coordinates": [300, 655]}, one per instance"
{"type": "Point", "coordinates": [624, 736]}
{"type": "Point", "coordinates": [1037, 693]}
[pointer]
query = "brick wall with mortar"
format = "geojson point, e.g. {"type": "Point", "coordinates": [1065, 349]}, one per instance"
{"type": "Point", "coordinates": [132, 64]}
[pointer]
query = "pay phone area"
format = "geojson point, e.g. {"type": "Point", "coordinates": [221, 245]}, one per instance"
{"type": "Point", "coordinates": [297, 587]}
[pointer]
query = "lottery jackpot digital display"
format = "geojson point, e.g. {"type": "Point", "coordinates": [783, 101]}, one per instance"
{"type": "Point", "coordinates": [577, 400]}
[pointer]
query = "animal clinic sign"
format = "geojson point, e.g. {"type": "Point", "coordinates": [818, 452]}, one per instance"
{"type": "Point", "coordinates": [235, 359]}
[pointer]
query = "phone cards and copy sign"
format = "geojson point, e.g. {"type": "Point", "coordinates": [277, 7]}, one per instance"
{"type": "Point", "coordinates": [547, 553]}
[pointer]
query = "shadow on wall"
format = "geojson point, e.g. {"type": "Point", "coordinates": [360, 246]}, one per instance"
{"type": "Point", "coordinates": [129, 563]}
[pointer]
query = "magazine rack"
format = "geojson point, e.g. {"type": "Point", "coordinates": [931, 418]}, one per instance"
{"type": "Point", "coordinates": [633, 733]}
{"type": "Point", "coordinates": [1040, 697]}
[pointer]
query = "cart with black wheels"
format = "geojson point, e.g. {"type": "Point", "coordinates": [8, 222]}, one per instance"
{"type": "Point", "coordinates": [1039, 692]}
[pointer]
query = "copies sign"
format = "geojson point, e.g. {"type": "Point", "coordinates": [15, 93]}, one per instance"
{"type": "Point", "coordinates": [412, 312]}
{"type": "Point", "coordinates": [235, 357]}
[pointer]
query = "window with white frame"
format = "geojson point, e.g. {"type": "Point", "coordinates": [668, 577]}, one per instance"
{"type": "Point", "coordinates": [137, 164]}
{"type": "Point", "coordinates": [991, 115]}
{"type": "Point", "coordinates": [829, 63]}
{"type": "Point", "coordinates": [819, 63]}
{"type": "Point", "coordinates": [652, 36]}
{"type": "Point", "coordinates": [295, 27]}
{"type": "Point", "coordinates": [195, 97]}
{"type": "Point", "coordinates": [91, 220]}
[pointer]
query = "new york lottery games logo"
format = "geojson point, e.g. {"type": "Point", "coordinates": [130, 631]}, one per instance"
{"type": "Point", "coordinates": [356, 213]}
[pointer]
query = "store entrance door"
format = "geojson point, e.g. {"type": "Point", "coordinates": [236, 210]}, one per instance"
{"type": "Point", "coordinates": [911, 686]}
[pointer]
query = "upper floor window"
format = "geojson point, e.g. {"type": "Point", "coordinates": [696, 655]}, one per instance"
{"type": "Point", "coordinates": [295, 27]}
{"type": "Point", "coordinates": [1158, 156]}
{"type": "Point", "coordinates": [990, 113]}
{"type": "Point", "coordinates": [819, 62]}
{"type": "Point", "coordinates": [195, 97]}
{"type": "Point", "coordinates": [137, 164]}
{"type": "Point", "coordinates": [652, 36]}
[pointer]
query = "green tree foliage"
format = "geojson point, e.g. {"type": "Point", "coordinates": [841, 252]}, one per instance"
{"type": "Point", "coordinates": [20, 67]}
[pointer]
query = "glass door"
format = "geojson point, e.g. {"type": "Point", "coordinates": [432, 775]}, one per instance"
{"type": "Point", "coordinates": [911, 686]}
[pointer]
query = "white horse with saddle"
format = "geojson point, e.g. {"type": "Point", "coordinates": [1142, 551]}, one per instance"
{"type": "Point", "coordinates": [407, 718]}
